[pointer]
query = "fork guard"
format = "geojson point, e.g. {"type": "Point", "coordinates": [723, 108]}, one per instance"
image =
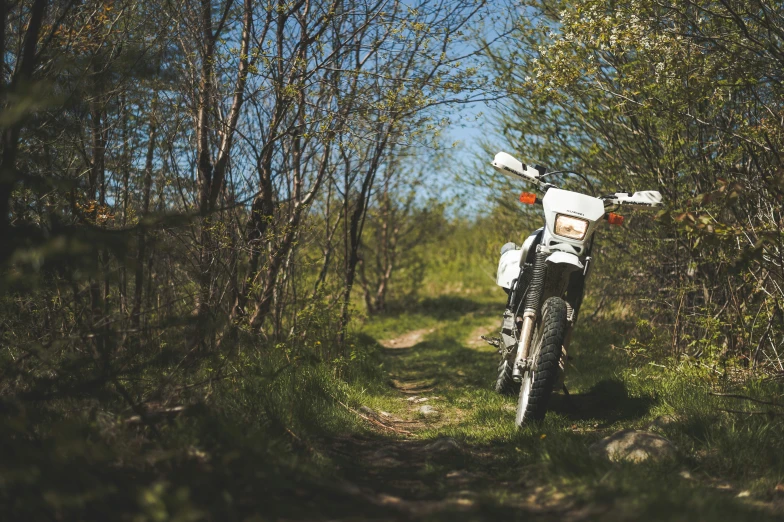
{"type": "Point", "coordinates": [571, 261]}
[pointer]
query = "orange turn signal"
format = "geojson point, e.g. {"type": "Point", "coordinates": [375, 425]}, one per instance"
{"type": "Point", "coordinates": [528, 198]}
{"type": "Point", "coordinates": [614, 219]}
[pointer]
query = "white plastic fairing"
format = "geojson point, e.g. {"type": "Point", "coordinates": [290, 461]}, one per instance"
{"type": "Point", "coordinates": [526, 248]}
{"type": "Point", "coordinates": [557, 201]}
{"type": "Point", "coordinates": [508, 268]}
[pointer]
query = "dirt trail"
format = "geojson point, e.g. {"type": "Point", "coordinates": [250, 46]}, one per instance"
{"type": "Point", "coordinates": [475, 340]}
{"type": "Point", "coordinates": [399, 476]}
{"type": "Point", "coordinates": [438, 478]}
{"type": "Point", "coordinates": [446, 451]}
{"type": "Point", "coordinates": [407, 340]}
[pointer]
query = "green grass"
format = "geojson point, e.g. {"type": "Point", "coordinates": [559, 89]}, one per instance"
{"type": "Point", "coordinates": [721, 454]}
{"type": "Point", "coordinates": [286, 439]}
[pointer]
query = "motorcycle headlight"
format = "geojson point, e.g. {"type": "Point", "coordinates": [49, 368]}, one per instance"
{"type": "Point", "coordinates": [571, 227]}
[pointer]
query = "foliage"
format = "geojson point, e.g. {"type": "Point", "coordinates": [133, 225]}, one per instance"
{"type": "Point", "coordinates": [167, 169]}
{"type": "Point", "coordinates": [191, 191]}
{"type": "Point", "coordinates": [679, 97]}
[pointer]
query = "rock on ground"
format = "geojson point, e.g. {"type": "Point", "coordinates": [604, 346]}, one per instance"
{"type": "Point", "coordinates": [444, 444]}
{"type": "Point", "coordinates": [634, 446]}
{"type": "Point", "coordinates": [368, 411]}
{"type": "Point", "coordinates": [427, 410]}
{"type": "Point", "coordinates": [664, 422]}
{"type": "Point", "coordinates": [385, 453]}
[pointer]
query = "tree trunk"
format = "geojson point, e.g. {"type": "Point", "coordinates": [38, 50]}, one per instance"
{"type": "Point", "coordinates": [212, 173]}
{"type": "Point", "coordinates": [10, 137]}
{"type": "Point", "coordinates": [354, 234]}
{"type": "Point", "coordinates": [141, 254]}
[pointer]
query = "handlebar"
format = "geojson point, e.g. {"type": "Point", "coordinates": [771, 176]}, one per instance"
{"type": "Point", "coordinates": [507, 164]}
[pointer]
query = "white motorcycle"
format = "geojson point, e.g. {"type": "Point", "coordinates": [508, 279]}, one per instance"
{"type": "Point", "coordinates": [544, 280]}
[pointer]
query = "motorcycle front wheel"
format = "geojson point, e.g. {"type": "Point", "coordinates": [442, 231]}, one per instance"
{"type": "Point", "coordinates": [546, 345]}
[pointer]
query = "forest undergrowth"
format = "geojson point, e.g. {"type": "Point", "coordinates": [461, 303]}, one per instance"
{"type": "Point", "coordinates": [243, 275]}
{"type": "Point", "coordinates": [295, 438]}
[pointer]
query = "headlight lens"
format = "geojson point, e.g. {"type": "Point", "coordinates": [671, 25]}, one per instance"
{"type": "Point", "coordinates": [571, 227]}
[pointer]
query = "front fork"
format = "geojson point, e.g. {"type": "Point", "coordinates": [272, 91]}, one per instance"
{"type": "Point", "coordinates": [522, 362]}
{"type": "Point", "coordinates": [524, 359]}
{"type": "Point", "coordinates": [533, 302]}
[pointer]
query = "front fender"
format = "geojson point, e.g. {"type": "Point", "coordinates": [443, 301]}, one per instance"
{"type": "Point", "coordinates": [569, 261]}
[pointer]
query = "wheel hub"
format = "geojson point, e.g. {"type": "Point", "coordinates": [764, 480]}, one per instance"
{"type": "Point", "coordinates": [522, 367]}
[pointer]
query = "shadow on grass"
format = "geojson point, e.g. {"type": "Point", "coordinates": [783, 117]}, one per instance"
{"type": "Point", "coordinates": [445, 307]}
{"type": "Point", "coordinates": [523, 477]}
{"type": "Point", "coordinates": [492, 470]}
{"type": "Point", "coordinates": [465, 371]}
{"type": "Point", "coordinates": [607, 401]}
{"type": "Point", "coordinates": [448, 363]}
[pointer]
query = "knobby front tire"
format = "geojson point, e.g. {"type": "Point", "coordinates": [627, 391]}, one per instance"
{"type": "Point", "coordinates": [547, 342]}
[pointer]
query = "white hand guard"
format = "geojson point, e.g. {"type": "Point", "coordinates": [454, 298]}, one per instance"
{"type": "Point", "coordinates": [644, 199]}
